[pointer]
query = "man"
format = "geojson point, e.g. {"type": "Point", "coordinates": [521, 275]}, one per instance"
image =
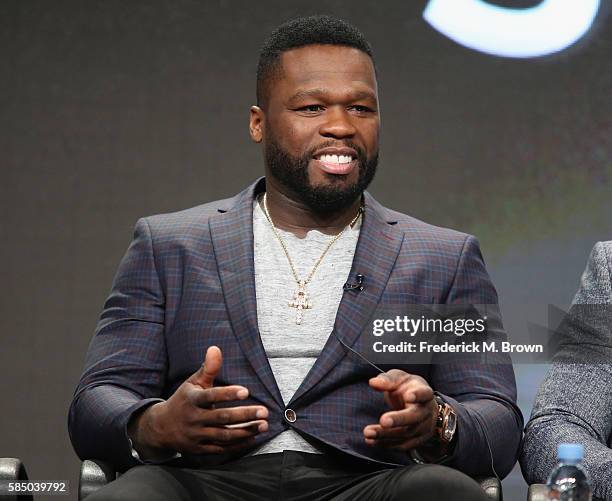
{"type": "Point", "coordinates": [254, 286]}
{"type": "Point", "coordinates": [574, 403]}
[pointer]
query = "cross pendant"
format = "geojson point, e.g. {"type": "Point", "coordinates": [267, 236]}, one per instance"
{"type": "Point", "coordinates": [300, 301]}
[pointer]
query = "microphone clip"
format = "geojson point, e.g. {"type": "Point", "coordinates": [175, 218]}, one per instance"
{"type": "Point", "coordinates": [358, 286]}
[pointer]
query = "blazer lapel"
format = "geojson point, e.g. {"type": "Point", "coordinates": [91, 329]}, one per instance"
{"type": "Point", "coordinates": [232, 237]}
{"type": "Point", "coordinates": [377, 249]}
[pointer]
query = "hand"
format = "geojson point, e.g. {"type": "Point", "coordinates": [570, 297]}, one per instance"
{"type": "Point", "coordinates": [188, 422]}
{"type": "Point", "coordinates": [413, 420]}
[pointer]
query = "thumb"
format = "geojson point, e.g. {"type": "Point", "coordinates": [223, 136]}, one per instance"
{"type": "Point", "coordinates": [207, 373]}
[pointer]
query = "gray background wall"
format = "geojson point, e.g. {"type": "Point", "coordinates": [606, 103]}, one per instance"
{"type": "Point", "coordinates": [112, 110]}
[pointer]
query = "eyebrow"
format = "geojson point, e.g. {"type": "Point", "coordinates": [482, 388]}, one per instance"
{"type": "Point", "coordinates": [321, 92]}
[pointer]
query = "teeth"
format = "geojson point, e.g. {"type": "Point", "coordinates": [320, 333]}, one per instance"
{"type": "Point", "coordinates": [336, 159]}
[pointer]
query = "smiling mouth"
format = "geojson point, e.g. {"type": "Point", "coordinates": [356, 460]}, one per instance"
{"type": "Point", "coordinates": [336, 164]}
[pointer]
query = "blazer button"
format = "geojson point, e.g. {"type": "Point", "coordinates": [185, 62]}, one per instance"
{"type": "Point", "coordinates": [290, 415]}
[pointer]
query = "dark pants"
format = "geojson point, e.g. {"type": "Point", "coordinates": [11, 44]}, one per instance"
{"type": "Point", "coordinates": [291, 475]}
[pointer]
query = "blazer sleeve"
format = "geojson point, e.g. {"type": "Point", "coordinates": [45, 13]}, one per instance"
{"type": "Point", "coordinates": [489, 423]}
{"type": "Point", "coordinates": [126, 363]}
{"type": "Point", "coordinates": [574, 402]}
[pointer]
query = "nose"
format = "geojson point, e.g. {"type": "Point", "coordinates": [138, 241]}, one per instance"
{"type": "Point", "coordinates": [337, 124]}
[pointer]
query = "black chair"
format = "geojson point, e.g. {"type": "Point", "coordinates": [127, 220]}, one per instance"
{"type": "Point", "coordinates": [95, 474]}
{"type": "Point", "coordinates": [12, 470]}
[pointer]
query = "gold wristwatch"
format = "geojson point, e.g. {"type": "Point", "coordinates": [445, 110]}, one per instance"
{"type": "Point", "coordinates": [446, 421]}
{"type": "Point", "coordinates": [440, 446]}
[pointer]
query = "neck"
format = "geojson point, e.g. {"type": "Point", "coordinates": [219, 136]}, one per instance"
{"type": "Point", "coordinates": [290, 214]}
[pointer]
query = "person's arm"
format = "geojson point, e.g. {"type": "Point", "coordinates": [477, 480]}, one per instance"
{"type": "Point", "coordinates": [483, 396]}
{"type": "Point", "coordinates": [121, 411]}
{"type": "Point", "coordinates": [125, 365]}
{"type": "Point", "coordinates": [574, 403]}
{"type": "Point", "coordinates": [489, 423]}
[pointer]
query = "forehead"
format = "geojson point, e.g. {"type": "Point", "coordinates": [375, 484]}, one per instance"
{"type": "Point", "coordinates": [327, 65]}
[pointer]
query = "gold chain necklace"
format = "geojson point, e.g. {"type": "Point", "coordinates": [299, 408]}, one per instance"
{"type": "Point", "coordinates": [301, 299]}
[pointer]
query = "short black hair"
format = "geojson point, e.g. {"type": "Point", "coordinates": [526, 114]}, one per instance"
{"type": "Point", "coordinates": [311, 30]}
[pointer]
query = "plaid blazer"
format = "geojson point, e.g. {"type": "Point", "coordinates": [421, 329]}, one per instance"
{"type": "Point", "coordinates": [187, 282]}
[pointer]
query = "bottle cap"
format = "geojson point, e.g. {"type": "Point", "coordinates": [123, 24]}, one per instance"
{"type": "Point", "coordinates": [570, 452]}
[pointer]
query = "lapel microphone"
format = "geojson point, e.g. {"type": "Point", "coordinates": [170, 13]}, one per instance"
{"type": "Point", "coordinates": [358, 286]}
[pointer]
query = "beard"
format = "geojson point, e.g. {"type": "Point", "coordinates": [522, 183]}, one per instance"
{"type": "Point", "coordinates": [292, 172]}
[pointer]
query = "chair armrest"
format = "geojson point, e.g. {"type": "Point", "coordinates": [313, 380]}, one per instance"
{"type": "Point", "coordinates": [491, 486]}
{"type": "Point", "coordinates": [94, 474]}
{"type": "Point", "coordinates": [537, 492]}
{"type": "Point", "coordinates": [12, 470]}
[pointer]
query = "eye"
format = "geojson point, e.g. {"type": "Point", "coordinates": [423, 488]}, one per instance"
{"type": "Point", "coordinates": [361, 109]}
{"type": "Point", "coordinates": [311, 108]}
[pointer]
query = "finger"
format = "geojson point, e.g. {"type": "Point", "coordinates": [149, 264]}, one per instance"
{"type": "Point", "coordinates": [412, 414]}
{"type": "Point", "coordinates": [418, 393]}
{"type": "Point", "coordinates": [413, 390]}
{"type": "Point", "coordinates": [206, 374]}
{"type": "Point", "coordinates": [411, 383]}
{"type": "Point", "coordinates": [204, 398]}
{"type": "Point", "coordinates": [395, 399]}
{"type": "Point", "coordinates": [220, 435]}
{"type": "Point", "coordinates": [261, 425]}
{"type": "Point", "coordinates": [404, 445]}
{"type": "Point", "coordinates": [258, 426]}
{"type": "Point", "coordinates": [235, 415]}
{"type": "Point", "coordinates": [389, 380]}
{"type": "Point", "coordinates": [397, 437]}
{"type": "Point", "coordinates": [377, 432]}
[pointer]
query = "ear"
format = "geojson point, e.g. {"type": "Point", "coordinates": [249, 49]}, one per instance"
{"type": "Point", "coordinates": [256, 123]}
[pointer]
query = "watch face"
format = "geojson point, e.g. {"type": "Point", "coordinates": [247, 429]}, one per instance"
{"type": "Point", "coordinates": [451, 425]}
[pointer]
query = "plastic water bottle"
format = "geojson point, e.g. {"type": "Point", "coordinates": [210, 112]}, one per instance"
{"type": "Point", "coordinates": [569, 481]}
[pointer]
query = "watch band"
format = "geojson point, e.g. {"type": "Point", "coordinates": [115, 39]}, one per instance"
{"type": "Point", "coordinates": [439, 448]}
{"type": "Point", "coordinates": [446, 421]}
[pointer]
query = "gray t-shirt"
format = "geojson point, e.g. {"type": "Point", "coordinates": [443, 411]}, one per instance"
{"type": "Point", "coordinates": [293, 349]}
